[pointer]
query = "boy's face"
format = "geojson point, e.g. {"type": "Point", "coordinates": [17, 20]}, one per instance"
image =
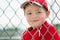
{"type": "Point", "coordinates": [35, 15]}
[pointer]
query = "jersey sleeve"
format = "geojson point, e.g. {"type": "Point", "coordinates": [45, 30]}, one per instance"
{"type": "Point", "coordinates": [54, 33]}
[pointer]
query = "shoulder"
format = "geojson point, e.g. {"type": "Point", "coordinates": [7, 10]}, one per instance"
{"type": "Point", "coordinates": [28, 30]}
{"type": "Point", "coordinates": [50, 27]}
{"type": "Point", "coordinates": [27, 34]}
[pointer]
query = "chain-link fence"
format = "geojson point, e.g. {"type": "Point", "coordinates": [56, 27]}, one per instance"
{"type": "Point", "coordinates": [13, 22]}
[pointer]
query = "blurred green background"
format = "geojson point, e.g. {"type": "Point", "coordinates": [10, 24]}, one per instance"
{"type": "Point", "coordinates": [58, 27]}
{"type": "Point", "coordinates": [11, 33]}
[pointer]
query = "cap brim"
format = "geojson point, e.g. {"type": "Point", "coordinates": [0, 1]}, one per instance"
{"type": "Point", "coordinates": [25, 3]}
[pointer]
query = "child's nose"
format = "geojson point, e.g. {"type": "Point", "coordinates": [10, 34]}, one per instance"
{"type": "Point", "coordinates": [35, 15]}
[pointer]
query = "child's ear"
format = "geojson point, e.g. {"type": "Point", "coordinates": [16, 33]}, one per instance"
{"type": "Point", "coordinates": [48, 13]}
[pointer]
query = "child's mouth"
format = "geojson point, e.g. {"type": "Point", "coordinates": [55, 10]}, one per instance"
{"type": "Point", "coordinates": [35, 20]}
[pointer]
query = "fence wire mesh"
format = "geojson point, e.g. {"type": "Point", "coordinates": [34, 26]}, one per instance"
{"type": "Point", "coordinates": [13, 22]}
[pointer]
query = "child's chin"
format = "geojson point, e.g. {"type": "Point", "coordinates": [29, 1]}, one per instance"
{"type": "Point", "coordinates": [35, 26]}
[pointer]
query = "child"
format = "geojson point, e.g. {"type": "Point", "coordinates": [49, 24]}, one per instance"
{"type": "Point", "coordinates": [36, 11]}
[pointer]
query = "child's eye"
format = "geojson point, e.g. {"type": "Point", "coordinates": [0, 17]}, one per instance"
{"type": "Point", "coordinates": [38, 12]}
{"type": "Point", "coordinates": [29, 13]}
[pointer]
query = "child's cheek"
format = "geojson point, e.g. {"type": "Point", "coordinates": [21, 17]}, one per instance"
{"type": "Point", "coordinates": [42, 17]}
{"type": "Point", "coordinates": [28, 20]}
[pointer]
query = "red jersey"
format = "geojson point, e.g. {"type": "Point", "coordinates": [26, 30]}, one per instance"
{"type": "Point", "coordinates": [44, 32]}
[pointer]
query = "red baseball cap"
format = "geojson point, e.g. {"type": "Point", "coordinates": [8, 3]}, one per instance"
{"type": "Point", "coordinates": [42, 3]}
